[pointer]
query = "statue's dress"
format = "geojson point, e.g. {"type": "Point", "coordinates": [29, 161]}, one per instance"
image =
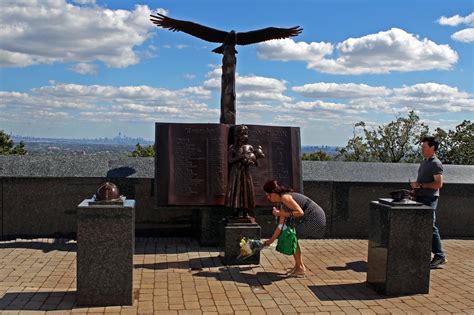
{"type": "Point", "coordinates": [240, 193]}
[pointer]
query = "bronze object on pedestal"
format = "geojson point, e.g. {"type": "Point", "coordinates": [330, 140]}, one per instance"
{"type": "Point", "coordinates": [107, 194]}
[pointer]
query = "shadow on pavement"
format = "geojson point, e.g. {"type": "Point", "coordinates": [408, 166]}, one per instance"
{"type": "Point", "coordinates": [357, 266]}
{"type": "Point", "coordinates": [46, 247]}
{"type": "Point", "coordinates": [235, 274]}
{"type": "Point", "coordinates": [194, 264]}
{"type": "Point", "coordinates": [345, 291]}
{"type": "Point", "coordinates": [38, 301]}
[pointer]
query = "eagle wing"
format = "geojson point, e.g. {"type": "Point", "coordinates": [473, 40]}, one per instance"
{"type": "Point", "coordinates": [198, 30]}
{"type": "Point", "coordinates": [246, 38]}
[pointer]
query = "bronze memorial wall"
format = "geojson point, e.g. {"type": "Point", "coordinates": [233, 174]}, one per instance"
{"type": "Point", "coordinates": [191, 165]}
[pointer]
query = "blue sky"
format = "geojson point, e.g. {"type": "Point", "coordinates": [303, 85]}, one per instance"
{"type": "Point", "coordinates": [86, 69]}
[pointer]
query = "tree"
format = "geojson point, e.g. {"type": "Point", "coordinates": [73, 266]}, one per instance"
{"type": "Point", "coordinates": [140, 151]}
{"type": "Point", "coordinates": [8, 148]}
{"type": "Point", "coordinates": [355, 150]}
{"type": "Point", "coordinates": [456, 146]}
{"type": "Point", "coordinates": [316, 156]}
{"type": "Point", "coordinates": [395, 142]}
{"type": "Point", "coordinates": [444, 145]}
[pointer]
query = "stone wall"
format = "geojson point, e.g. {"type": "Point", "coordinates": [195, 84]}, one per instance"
{"type": "Point", "coordinates": [39, 196]}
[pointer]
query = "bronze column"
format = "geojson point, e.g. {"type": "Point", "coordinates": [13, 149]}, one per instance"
{"type": "Point", "coordinates": [228, 86]}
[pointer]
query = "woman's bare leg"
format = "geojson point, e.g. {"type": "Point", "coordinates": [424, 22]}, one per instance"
{"type": "Point", "coordinates": [299, 266]}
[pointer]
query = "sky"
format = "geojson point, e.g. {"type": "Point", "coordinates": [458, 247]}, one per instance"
{"type": "Point", "coordinates": [94, 68]}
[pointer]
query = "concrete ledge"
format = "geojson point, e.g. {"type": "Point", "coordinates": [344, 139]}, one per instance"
{"type": "Point", "coordinates": [39, 195]}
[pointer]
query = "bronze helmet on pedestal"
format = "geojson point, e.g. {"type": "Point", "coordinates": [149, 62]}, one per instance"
{"type": "Point", "coordinates": [107, 192]}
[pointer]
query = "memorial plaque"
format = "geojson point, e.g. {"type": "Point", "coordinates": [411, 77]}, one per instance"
{"type": "Point", "coordinates": [282, 148]}
{"type": "Point", "coordinates": [191, 166]}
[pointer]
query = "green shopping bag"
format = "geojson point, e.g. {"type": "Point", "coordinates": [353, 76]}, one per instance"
{"type": "Point", "coordinates": [287, 241]}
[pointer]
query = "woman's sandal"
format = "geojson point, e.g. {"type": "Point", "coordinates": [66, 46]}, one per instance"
{"type": "Point", "coordinates": [290, 271]}
{"type": "Point", "coordinates": [297, 273]}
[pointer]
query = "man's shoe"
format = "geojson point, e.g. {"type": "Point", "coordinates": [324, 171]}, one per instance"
{"type": "Point", "coordinates": [437, 261]}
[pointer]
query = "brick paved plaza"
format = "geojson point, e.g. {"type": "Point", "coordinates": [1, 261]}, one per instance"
{"type": "Point", "coordinates": [177, 276]}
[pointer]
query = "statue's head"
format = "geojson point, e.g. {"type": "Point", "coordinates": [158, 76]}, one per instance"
{"type": "Point", "coordinates": [242, 134]}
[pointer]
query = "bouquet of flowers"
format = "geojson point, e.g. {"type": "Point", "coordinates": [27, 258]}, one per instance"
{"type": "Point", "coordinates": [249, 247]}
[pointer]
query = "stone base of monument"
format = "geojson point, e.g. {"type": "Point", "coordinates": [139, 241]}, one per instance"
{"type": "Point", "coordinates": [399, 251]}
{"type": "Point", "coordinates": [231, 234]}
{"type": "Point", "coordinates": [105, 247]}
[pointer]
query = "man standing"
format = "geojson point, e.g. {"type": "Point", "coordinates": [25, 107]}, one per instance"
{"type": "Point", "coordinates": [427, 185]}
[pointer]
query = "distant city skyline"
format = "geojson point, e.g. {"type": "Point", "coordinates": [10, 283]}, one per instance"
{"type": "Point", "coordinates": [84, 68]}
{"type": "Point", "coordinates": [117, 139]}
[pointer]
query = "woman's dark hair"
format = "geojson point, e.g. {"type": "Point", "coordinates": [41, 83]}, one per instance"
{"type": "Point", "coordinates": [431, 142]}
{"type": "Point", "coordinates": [273, 186]}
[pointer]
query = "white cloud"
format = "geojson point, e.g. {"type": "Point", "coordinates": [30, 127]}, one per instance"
{"type": "Point", "coordinates": [377, 104]}
{"type": "Point", "coordinates": [384, 52]}
{"type": "Point", "coordinates": [147, 109]}
{"type": "Point", "coordinates": [456, 20]}
{"type": "Point", "coordinates": [189, 76]}
{"type": "Point", "coordinates": [251, 88]}
{"type": "Point", "coordinates": [17, 101]}
{"type": "Point", "coordinates": [135, 104]}
{"type": "Point", "coordinates": [316, 105]}
{"type": "Point", "coordinates": [335, 90]}
{"type": "Point", "coordinates": [465, 35]}
{"type": "Point", "coordinates": [50, 114]}
{"type": "Point", "coordinates": [97, 103]}
{"type": "Point", "coordinates": [255, 107]}
{"type": "Point", "coordinates": [84, 68]}
{"type": "Point", "coordinates": [433, 97]}
{"type": "Point", "coordinates": [290, 120]}
{"type": "Point", "coordinates": [261, 100]}
{"type": "Point", "coordinates": [84, 1]}
{"type": "Point", "coordinates": [197, 91]}
{"type": "Point", "coordinates": [54, 31]}
{"type": "Point", "coordinates": [426, 90]}
{"type": "Point", "coordinates": [426, 97]}
{"type": "Point", "coordinates": [177, 46]}
{"type": "Point", "coordinates": [287, 49]}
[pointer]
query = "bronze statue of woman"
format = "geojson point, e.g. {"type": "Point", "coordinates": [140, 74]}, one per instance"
{"type": "Point", "coordinates": [242, 156]}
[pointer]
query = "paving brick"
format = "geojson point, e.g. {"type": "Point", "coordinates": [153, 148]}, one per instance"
{"type": "Point", "coordinates": [38, 281]}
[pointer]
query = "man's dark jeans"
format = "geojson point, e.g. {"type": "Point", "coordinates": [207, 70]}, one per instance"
{"type": "Point", "coordinates": [432, 201]}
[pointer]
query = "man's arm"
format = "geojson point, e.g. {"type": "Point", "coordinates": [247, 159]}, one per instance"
{"type": "Point", "coordinates": [437, 184]}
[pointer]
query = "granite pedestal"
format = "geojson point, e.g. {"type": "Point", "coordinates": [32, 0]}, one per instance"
{"type": "Point", "coordinates": [230, 242]}
{"type": "Point", "coordinates": [105, 246]}
{"type": "Point", "coordinates": [399, 251]}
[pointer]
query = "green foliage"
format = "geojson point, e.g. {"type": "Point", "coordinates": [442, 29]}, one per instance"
{"type": "Point", "coordinates": [394, 142]}
{"type": "Point", "coordinates": [398, 141]}
{"type": "Point", "coordinates": [456, 146]}
{"type": "Point", "coordinates": [8, 148]}
{"type": "Point", "coordinates": [316, 156]}
{"type": "Point", "coordinates": [140, 151]}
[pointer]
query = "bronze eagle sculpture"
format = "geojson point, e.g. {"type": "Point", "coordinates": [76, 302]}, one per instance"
{"type": "Point", "coordinates": [227, 49]}
{"type": "Point", "coordinates": [226, 38]}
